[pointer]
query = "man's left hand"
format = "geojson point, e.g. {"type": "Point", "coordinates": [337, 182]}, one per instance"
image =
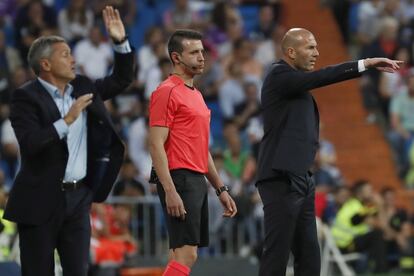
{"type": "Point", "coordinates": [383, 64]}
{"type": "Point", "coordinates": [230, 209]}
{"type": "Point", "coordinates": [113, 23]}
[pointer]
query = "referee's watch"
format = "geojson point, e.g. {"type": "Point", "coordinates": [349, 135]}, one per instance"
{"type": "Point", "coordinates": [222, 189]}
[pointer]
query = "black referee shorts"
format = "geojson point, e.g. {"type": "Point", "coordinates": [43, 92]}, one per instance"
{"type": "Point", "coordinates": [193, 230]}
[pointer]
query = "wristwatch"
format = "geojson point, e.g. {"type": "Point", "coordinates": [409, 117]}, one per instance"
{"type": "Point", "coordinates": [222, 189]}
{"type": "Point", "coordinates": [118, 42]}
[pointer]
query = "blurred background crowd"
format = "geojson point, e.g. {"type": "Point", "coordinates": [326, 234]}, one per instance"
{"type": "Point", "coordinates": [241, 40]}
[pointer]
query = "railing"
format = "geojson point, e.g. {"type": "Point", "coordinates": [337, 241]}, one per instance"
{"type": "Point", "coordinates": [228, 237]}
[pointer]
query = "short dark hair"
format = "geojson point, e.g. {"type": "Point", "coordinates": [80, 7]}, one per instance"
{"type": "Point", "coordinates": [175, 43]}
{"type": "Point", "coordinates": [359, 185]}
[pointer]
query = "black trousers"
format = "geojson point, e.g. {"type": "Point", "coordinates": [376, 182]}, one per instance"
{"type": "Point", "coordinates": [290, 226]}
{"type": "Point", "coordinates": [68, 231]}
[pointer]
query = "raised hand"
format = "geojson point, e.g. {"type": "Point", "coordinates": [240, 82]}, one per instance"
{"type": "Point", "coordinates": [113, 23]}
{"type": "Point", "coordinates": [383, 64]}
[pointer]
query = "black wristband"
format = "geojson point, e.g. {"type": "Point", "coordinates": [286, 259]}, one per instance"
{"type": "Point", "coordinates": [117, 42]}
{"type": "Point", "coordinates": [222, 189]}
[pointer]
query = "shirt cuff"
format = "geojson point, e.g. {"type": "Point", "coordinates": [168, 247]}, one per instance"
{"type": "Point", "coordinates": [361, 66]}
{"type": "Point", "coordinates": [61, 128]}
{"type": "Point", "coordinates": [123, 48]}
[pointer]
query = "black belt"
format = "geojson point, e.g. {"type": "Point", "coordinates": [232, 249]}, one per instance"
{"type": "Point", "coordinates": [72, 185]}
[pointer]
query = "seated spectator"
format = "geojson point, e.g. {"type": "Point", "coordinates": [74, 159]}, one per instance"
{"type": "Point", "coordinates": [265, 25]}
{"type": "Point", "coordinates": [390, 85]}
{"type": "Point", "coordinates": [231, 91]}
{"type": "Point", "coordinates": [111, 240]}
{"type": "Point", "coordinates": [369, 14]}
{"type": "Point", "coordinates": [335, 200]}
{"type": "Point", "coordinates": [75, 21]}
{"type": "Point", "coordinates": [269, 50]}
{"type": "Point", "coordinates": [156, 74]}
{"type": "Point", "coordinates": [127, 184]}
{"type": "Point", "coordinates": [247, 109]}
{"type": "Point", "coordinates": [33, 20]}
{"type": "Point", "coordinates": [149, 53]}
{"type": "Point", "coordinates": [9, 62]}
{"type": "Point", "coordinates": [181, 16]}
{"type": "Point", "coordinates": [9, 162]}
{"type": "Point", "coordinates": [93, 55]}
{"type": "Point", "coordinates": [243, 55]}
{"type": "Point", "coordinates": [326, 174]}
{"type": "Point", "coordinates": [226, 27]}
{"type": "Point", "coordinates": [397, 228]}
{"type": "Point", "coordinates": [402, 123]}
{"type": "Point", "coordinates": [384, 45]}
{"type": "Point", "coordinates": [357, 227]}
{"type": "Point", "coordinates": [138, 146]}
{"type": "Point", "coordinates": [7, 228]}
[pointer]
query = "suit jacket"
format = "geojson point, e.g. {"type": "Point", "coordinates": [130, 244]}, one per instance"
{"type": "Point", "coordinates": [37, 188]}
{"type": "Point", "coordinates": [291, 118]}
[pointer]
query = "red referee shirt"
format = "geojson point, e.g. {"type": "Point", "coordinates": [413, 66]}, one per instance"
{"type": "Point", "coordinates": [182, 109]}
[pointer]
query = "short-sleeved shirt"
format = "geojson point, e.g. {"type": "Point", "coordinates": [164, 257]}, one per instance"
{"type": "Point", "coordinates": [403, 106]}
{"type": "Point", "coordinates": [182, 109]}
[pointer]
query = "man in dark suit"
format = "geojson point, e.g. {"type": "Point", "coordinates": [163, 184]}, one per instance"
{"type": "Point", "coordinates": [291, 130]}
{"type": "Point", "coordinates": [70, 152]}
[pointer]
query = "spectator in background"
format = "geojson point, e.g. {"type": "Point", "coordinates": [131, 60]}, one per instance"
{"type": "Point", "coordinates": [33, 20]}
{"type": "Point", "coordinates": [139, 144]}
{"type": "Point", "coordinates": [384, 45]}
{"type": "Point", "coordinates": [397, 227]}
{"type": "Point", "coordinates": [402, 125]}
{"type": "Point", "coordinates": [242, 54]}
{"type": "Point", "coordinates": [357, 227]}
{"type": "Point", "coordinates": [247, 109]}
{"type": "Point", "coordinates": [231, 91]}
{"type": "Point", "coordinates": [221, 14]}
{"type": "Point", "coordinates": [335, 200]}
{"type": "Point", "coordinates": [93, 55]}
{"type": "Point", "coordinates": [390, 85]}
{"type": "Point", "coordinates": [369, 13]}
{"type": "Point", "coordinates": [9, 62]}
{"type": "Point", "coordinates": [208, 83]}
{"type": "Point", "coordinates": [326, 174]}
{"type": "Point", "coordinates": [9, 154]}
{"type": "Point", "coordinates": [148, 54]}
{"type": "Point", "coordinates": [226, 27]}
{"type": "Point", "coordinates": [127, 183]}
{"type": "Point", "coordinates": [111, 240]}
{"type": "Point", "coordinates": [75, 21]}
{"type": "Point", "coordinates": [269, 50]}
{"type": "Point", "coordinates": [181, 16]}
{"type": "Point", "coordinates": [265, 25]}
{"type": "Point", "coordinates": [156, 74]}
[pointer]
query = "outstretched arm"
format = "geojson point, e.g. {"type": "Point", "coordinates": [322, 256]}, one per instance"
{"type": "Point", "coordinates": [383, 64]}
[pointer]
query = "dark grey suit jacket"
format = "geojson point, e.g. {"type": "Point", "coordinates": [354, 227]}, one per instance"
{"type": "Point", "coordinates": [291, 118]}
{"type": "Point", "coordinates": [37, 187]}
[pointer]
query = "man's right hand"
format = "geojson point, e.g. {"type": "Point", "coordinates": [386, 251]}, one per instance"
{"type": "Point", "coordinates": [77, 107]}
{"type": "Point", "coordinates": [175, 205]}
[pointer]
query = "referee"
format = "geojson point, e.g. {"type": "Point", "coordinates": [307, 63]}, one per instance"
{"type": "Point", "coordinates": [179, 138]}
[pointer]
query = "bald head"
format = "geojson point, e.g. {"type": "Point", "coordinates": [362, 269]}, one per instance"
{"type": "Point", "coordinates": [294, 38]}
{"type": "Point", "coordinates": [300, 49]}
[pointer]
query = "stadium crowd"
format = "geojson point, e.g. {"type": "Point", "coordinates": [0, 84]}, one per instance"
{"type": "Point", "coordinates": [241, 40]}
